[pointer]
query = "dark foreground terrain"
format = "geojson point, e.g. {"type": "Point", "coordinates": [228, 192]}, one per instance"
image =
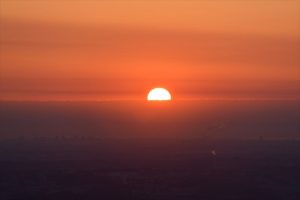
{"type": "Point", "coordinates": [89, 168]}
{"type": "Point", "coordinates": [146, 151]}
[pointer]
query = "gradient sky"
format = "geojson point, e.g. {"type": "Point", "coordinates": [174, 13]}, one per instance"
{"type": "Point", "coordinates": [120, 49]}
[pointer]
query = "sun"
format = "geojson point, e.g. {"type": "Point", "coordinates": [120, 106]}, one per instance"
{"type": "Point", "coordinates": [159, 94]}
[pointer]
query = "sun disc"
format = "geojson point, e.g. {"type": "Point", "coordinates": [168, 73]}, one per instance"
{"type": "Point", "coordinates": [159, 94]}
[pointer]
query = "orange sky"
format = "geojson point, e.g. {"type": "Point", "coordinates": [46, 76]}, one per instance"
{"type": "Point", "coordinates": [123, 48]}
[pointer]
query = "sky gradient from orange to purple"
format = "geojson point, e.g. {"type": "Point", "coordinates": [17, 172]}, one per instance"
{"type": "Point", "coordinates": [120, 49]}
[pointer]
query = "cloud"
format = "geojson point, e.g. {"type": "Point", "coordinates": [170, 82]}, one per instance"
{"type": "Point", "coordinates": [52, 52]}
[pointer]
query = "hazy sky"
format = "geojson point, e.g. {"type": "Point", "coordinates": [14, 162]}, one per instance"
{"type": "Point", "coordinates": [123, 48]}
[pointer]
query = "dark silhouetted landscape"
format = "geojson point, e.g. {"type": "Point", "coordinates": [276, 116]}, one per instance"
{"type": "Point", "coordinates": [142, 150]}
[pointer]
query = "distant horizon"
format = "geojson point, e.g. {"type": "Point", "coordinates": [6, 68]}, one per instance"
{"type": "Point", "coordinates": [120, 99]}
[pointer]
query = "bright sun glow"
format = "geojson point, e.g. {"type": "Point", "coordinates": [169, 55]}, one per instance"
{"type": "Point", "coordinates": [159, 94]}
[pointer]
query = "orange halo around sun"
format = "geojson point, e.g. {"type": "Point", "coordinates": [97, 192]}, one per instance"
{"type": "Point", "coordinates": [159, 94]}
